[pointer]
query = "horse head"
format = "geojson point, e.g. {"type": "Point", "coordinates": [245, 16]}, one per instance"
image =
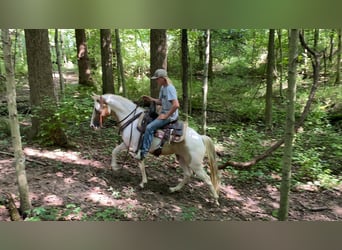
{"type": "Point", "coordinates": [101, 111]}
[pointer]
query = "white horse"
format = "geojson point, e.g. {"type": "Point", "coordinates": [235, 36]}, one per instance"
{"type": "Point", "coordinates": [190, 152]}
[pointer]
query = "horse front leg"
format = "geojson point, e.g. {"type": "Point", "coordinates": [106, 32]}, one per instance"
{"type": "Point", "coordinates": [187, 172]}
{"type": "Point", "coordinates": [143, 174]}
{"type": "Point", "coordinates": [116, 150]}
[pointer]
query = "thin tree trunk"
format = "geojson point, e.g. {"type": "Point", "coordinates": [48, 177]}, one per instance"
{"type": "Point", "coordinates": [269, 81]}
{"type": "Point", "coordinates": [185, 71]}
{"type": "Point", "coordinates": [205, 80]}
{"type": "Point", "coordinates": [59, 63]}
{"type": "Point", "coordinates": [339, 51]}
{"type": "Point", "coordinates": [316, 39]}
{"type": "Point", "coordinates": [106, 61]}
{"type": "Point", "coordinates": [281, 63]}
{"type": "Point", "coordinates": [210, 64]}
{"type": "Point", "coordinates": [25, 203]}
{"type": "Point", "coordinates": [331, 48]}
{"type": "Point", "coordinates": [289, 128]}
{"type": "Point", "coordinates": [121, 72]}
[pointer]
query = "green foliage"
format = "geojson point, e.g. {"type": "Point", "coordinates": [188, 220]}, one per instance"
{"type": "Point", "coordinates": [54, 213]}
{"type": "Point", "coordinates": [73, 109]}
{"type": "Point", "coordinates": [188, 213]}
{"type": "Point", "coordinates": [108, 214]}
{"type": "Point", "coordinates": [43, 214]}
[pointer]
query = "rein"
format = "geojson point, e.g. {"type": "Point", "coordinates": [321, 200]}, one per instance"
{"type": "Point", "coordinates": [125, 125]}
{"type": "Point", "coordinates": [133, 111]}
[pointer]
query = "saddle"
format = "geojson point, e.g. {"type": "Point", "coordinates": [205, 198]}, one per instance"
{"type": "Point", "coordinates": [173, 132]}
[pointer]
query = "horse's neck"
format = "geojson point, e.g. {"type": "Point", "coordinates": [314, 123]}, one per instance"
{"type": "Point", "coordinates": [122, 107]}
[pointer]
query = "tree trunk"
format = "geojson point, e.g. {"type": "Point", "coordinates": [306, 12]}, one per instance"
{"type": "Point", "coordinates": [42, 95]}
{"type": "Point", "coordinates": [59, 63]}
{"type": "Point", "coordinates": [106, 61]}
{"type": "Point", "coordinates": [269, 81]}
{"type": "Point", "coordinates": [185, 71]}
{"type": "Point", "coordinates": [281, 63]}
{"type": "Point", "coordinates": [331, 47]}
{"type": "Point", "coordinates": [25, 203]}
{"type": "Point", "coordinates": [158, 50]}
{"type": "Point", "coordinates": [338, 64]}
{"type": "Point", "coordinates": [205, 80]}
{"type": "Point", "coordinates": [289, 128]}
{"type": "Point", "coordinates": [210, 64]}
{"type": "Point", "coordinates": [84, 73]}
{"type": "Point", "coordinates": [201, 54]}
{"type": "Point", "coordinates": [316, 39]}
{"type": "Point", "coordinates": [121, 72]}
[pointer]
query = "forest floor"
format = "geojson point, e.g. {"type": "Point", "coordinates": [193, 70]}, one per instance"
{"type": "Point", "coordinates": [79, 184]}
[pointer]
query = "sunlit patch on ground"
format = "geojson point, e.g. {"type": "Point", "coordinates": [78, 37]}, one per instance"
{"type": "Point", "coordinates": [53, 200]}
{"type": "Point", "coordinates": [63, 156]}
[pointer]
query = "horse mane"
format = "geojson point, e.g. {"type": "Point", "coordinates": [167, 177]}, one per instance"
{"type": "Point", "coordinates": [119, 102]}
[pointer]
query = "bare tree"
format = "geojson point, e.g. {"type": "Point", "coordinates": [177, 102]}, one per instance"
{"type": "Point", "coordinates": [25, 203]}
{"type": "Point", "coordinates": [289, 127]}
{"type": "Point", "coordinates": [205, 80]}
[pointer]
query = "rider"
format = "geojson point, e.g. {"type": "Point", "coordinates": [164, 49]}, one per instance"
{"type": "Point", "coordinates": [169, 112]}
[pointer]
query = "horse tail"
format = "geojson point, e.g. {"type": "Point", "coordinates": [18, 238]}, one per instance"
{"type": "Point", "coordinates": [211, 154]}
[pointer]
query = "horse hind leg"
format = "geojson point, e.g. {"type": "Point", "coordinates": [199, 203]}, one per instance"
{"type": "Point", "coordinates": [199, 171]}
{"type": "Point", "coordinates": [187, 172]}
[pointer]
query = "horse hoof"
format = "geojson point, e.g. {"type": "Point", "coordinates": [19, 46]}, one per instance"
{"type": "Point", "coordinates": [141, 185]}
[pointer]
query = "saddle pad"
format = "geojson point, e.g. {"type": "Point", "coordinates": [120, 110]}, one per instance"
{"type": "Point", "coordinates": [177, 132]}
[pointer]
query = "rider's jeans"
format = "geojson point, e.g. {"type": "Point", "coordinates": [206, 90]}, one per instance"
{"type": "Point", "coordinates": [148, 136]}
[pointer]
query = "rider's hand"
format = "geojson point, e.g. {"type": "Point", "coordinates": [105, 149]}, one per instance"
{"type": "Point", "coordinates": [162, 117]}
{"type": "Point", "coordinates": [146, 98]}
